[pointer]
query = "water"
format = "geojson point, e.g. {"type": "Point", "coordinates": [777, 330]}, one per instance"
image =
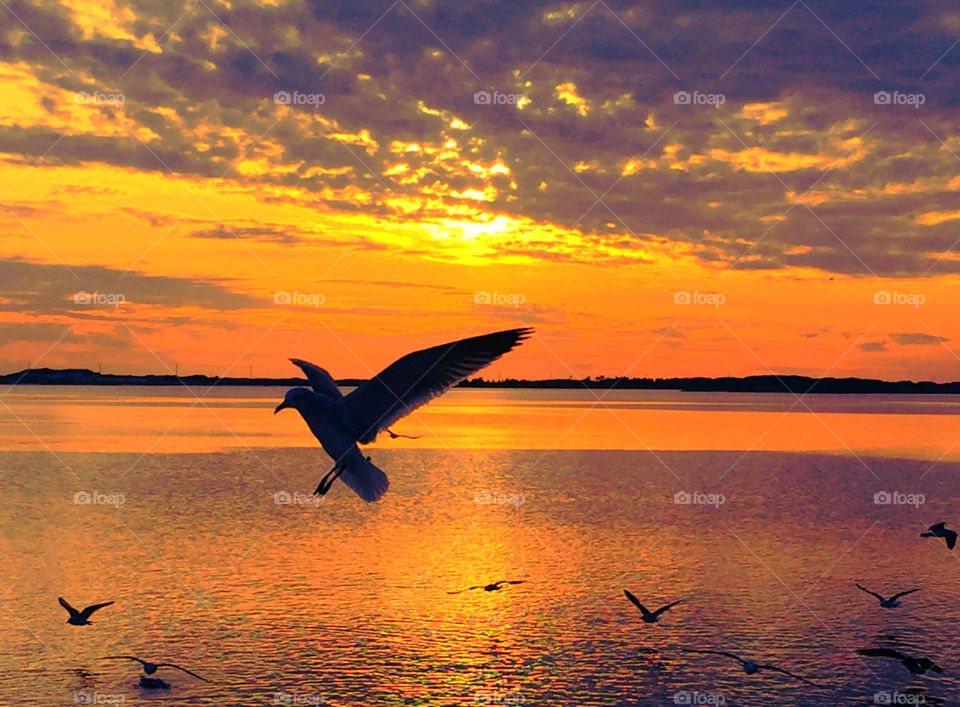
{"type": "Point", "coordinates": [346, 603]}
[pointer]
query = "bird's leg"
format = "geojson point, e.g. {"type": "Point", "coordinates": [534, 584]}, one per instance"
{"type": "Point", "coordinates": [327, 481]}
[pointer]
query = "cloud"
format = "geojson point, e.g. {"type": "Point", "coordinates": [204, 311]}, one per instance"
{"type": "Point", "coordinates": [874, 346]}
{"type": "Point", "coordinates": [918, 339]}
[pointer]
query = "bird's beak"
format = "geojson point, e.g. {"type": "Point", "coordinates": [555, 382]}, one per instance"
{"type": "Point", "coordinates": [280, 407]}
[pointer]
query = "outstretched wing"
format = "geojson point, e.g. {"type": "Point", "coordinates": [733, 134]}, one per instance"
{"type": "Point", "coordinates": [321, 381]}
{"type": "Point", "coordinates": [951, 538]}
{"type": "Point", "coordinates": [665, 608]}
{"type": "Point", "coordinates": [938, 526]}
{"type": "Point", "coordinates": [86, 613]}
{"type": "Point", "coordinates": [636, 602]}
{"type": "Point", "coordinates": [903, 594]}
{"type": "Point", "coordinates": [171, 665]}
{"type": "Point", "coordinates": [123, 657]}
{"type": "Point", "coordinates": [882, 652]}
{"type": "Point", "coordinates": [66, 605]}
{"type": "Point", "coordinates": [728, 655]}
{"type": "Point", "coordinates": [413, 380]}
{"type": "Point", "coordinates": [785, 672]}
{"type": "Point", "coordinates": [864, 589]}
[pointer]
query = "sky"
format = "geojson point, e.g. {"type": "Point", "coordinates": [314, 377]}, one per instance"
{"type": "Point", "coordinates": [664, 188]}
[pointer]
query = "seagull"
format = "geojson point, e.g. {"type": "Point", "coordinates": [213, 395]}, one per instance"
{"type": "Point", "coordinates": [917, 666]}
{"type": "Point", "coordinates": [493, 587]}
{"type": "Point", "coordinates": [650, 617]}
{"type": "Point", "coordinates": [81, 618]}
{"type": "Point", "coordinates": [340, 423]}
{"type": "Point", "coordinates": [939, 530]}
{"type": "Point", "coordinates": [750, 666]}
{"type": "Point", "coordinates": [890, 603]}
{"type": "Point", "coordinates": [150, 668]}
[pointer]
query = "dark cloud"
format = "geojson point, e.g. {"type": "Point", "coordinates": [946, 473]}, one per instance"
{"type": "Point", "coordinates": [874, 346]}
{"type": "Point", "coordinates": [918, 339]}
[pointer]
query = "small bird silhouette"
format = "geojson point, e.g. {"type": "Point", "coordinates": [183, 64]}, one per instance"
{"type": "Point", "coordinates": [493, 587]}
{"type": "Point", "coordinates": [939, 530]}
{"type": "Point", "coordinates": [81, 618]}
{"type": "Point", "coordinates": [750, 666]}
{"type": "Point", "coordinates": [917, 666]}
{"type": "Point", "coordinates": [650, 617]}
{"type": "Point", "coordinates": [892, 601]}
{"type": "Point", "coordinates": [150, 668]}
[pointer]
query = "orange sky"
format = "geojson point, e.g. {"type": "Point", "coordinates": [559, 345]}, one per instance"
{"type": "Point", "coordinates": [144, 158]}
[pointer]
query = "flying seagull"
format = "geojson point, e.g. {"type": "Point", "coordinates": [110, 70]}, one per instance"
{"type": "Point", "coordinates": [892, 601]}
{"type": "Point", "coordinates": [493, 587]}
{"type": "Point", "coordinates": [340, 423]}
{"type": "Point", "coordinates": [81, 618]}
{"type": "Point", "coordinates": [650, 617]}
{"type": "Point", "coordinates": [150, 668]}
{"type": "Point", "coordinates": [917, 666]}
{"type": "Point", "coordinates": [750, 666]}
{"type": "Point", "coordinates": [939, 530]}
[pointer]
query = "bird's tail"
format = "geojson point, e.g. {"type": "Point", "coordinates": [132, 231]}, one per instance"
{"type": "Point", "coordinates": [367, 481]}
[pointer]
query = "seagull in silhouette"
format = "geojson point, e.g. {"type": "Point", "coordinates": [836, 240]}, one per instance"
{"type": "Point", "coordinates": [650, 617]}
{"type": "Point", "coordinates": [917, 666]}
{"type": "Point", "coordinates": [890, 603]}
{"type": "Point", "coordinates": [939, 530]}
{"type": "Point", "coordinates": [340, 423]}
{"type": "Point", "coordinates": [492, 587]}
{"type": "Point", "coordinates": [81, 618]}
{"type": "Point", "coordinates": [750, 666]}
{"type": "Point", "coordinates": [150, 668]}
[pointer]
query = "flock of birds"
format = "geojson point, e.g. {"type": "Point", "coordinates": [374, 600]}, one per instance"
{"type": "Point", "coordinates": [341, 422]}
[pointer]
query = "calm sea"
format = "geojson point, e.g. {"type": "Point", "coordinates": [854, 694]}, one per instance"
{"type": "Point", "coordinates": [191, 510]}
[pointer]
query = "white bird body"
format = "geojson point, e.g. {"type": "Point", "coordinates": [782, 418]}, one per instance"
{"type": "Point", "coordinates": [340, 423]}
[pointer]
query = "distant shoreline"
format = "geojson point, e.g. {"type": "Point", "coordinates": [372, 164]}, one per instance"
{"type": "Point", "coordinates": [748, 384]}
